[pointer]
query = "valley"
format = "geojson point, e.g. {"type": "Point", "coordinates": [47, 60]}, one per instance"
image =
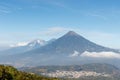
{"type": "Point", "coordinates": [77, 71]}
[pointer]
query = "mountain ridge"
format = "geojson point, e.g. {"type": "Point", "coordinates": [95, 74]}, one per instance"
{"type": "Point", "coordinates": [23, 47]}
{"type": "Point", "coordinates": [71, 42]}
{"type": "Point", "coordinates": [70, 48]}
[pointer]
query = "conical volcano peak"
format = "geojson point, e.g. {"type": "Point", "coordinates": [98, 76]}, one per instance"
{"type": "Point", "coordinates": [71, 33]}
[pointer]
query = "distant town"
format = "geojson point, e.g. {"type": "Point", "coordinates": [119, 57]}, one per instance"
{"type": "Point", "coordinates": [74, 74]}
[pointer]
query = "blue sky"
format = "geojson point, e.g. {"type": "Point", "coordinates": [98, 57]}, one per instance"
{"type": "Point", "coordinates": [25, 20]}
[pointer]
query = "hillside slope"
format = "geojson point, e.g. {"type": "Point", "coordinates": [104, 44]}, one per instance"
{"type": "Point", "coordinates": [10, 73]}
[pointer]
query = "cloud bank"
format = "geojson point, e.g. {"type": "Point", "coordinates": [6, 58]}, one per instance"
{"type": "Point", "coordinates": [101, 55]}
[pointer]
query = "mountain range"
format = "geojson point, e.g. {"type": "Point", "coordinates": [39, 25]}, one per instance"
{"type": "Point", "coordinates": [25, 46]}
{"type": "Point", "coordinates": [71, 42]}
{"type": "Point", "coordinates": [71, 48]}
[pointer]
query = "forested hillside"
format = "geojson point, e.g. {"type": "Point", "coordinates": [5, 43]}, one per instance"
{"type": "Point", "coordinates": [10, 73]}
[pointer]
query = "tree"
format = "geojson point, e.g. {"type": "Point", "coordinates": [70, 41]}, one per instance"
{"type": "Point", "coordinates": [6, 75]}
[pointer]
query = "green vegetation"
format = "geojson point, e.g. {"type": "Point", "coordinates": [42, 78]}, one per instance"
{"type": "Point", "coordinates": [10, 73]}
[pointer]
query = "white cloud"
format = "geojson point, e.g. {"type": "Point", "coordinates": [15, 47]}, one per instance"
{"type": "Point", "coordinates": [4, 8]}
{"type": "Point", "coordinates": [54, 30]}
{"type": "Point", "coordinates": [57, 29]}
{"type": "Point", "coordinates": [4, 11]}
{"type": "Point", "coordinates": [101, 55]}
{"type": "Point", "coordinates": [19, 44]}
{"type": "Point", "coordinates": [76, 53]}
{"type": "Point", "coordinates": [97, 16]}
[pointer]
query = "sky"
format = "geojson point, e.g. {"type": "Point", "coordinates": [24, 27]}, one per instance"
{"type": "Point", "coordinates": [26, 20]}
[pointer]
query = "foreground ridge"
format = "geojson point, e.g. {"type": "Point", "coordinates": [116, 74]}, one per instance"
{"type": "Point", "coordinates": [10, 73]}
